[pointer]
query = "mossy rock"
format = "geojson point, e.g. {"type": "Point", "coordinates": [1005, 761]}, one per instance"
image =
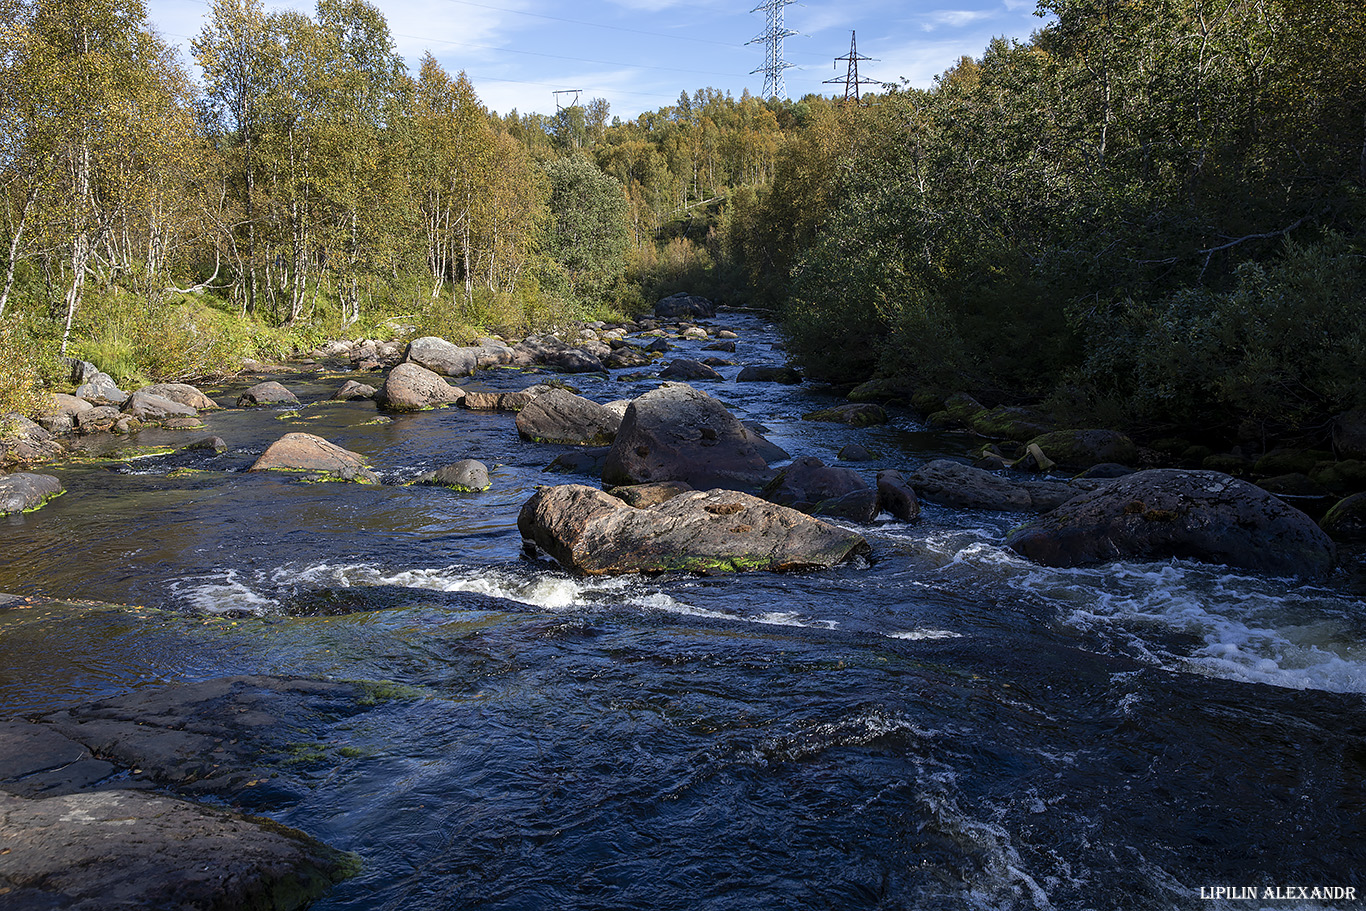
{"type": "Point", "coordinates": [1009, 423]}
{"type": "Point", "coordinates": [1292, 485]}
{"type": "Point", "coordinates": [1228, 463]}
{"type": "Point", "coordinates": [1290, 461]}
{"type": "Point", "coordinates": [1346, 476]}
{"type": "Point", "coordinates": [928, 401]}
{"type": "Point", "coordinates": [1084, 448]}
{"type": "Point", "coordinates": [1346, 521]}
{"type": "Point", "coordinates": [883, 390]}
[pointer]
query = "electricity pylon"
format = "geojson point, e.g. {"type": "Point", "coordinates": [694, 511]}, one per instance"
{"type": "Point", "coordinates": [772, 37]}
{"type": "Point", "coordinates": [851, 80]}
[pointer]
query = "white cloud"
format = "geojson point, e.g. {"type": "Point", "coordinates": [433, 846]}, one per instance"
{"type": "Point", "coordinates": [953, 18]}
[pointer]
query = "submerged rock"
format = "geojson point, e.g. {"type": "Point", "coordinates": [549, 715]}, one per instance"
{"type": "Point", "coordinates": [677, 433]}
{"type": "Point", "coordinates": [1173, 513]}
{"type": "Point", "coordinates": [25, 492]}
{"type": "Point", "coordinates": [716, 531]}
{"type": "Point", "coordinates": [128, 849]}
{"type": "Point", "coordinates": [309, 453]}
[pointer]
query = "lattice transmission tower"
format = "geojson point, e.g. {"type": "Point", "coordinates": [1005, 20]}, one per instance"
{"type": "Point", "coordinates": [772, 37]}
{"type": "Point", "coordinates": [851, 78]}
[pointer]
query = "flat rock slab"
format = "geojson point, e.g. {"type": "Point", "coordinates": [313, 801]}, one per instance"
{"type": "Point", "coordinates": [129, 849]}
{"type": "Point", "coordinates": [715, 531]}
{"type": "Point", "coordinates": [24, 491]}
{"type": "Point", "coordinates": [1170, 513]}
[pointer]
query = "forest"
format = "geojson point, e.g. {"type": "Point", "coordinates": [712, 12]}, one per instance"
{"type": "Point", "coordinates": [1151, 215]}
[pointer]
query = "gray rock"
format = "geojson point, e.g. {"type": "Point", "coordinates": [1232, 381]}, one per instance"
{"type": "Point", "coordinates": [588, 460]}
{"type": "Point", "coordinates": [24, 442]}
{"type": "Point", "coordinates": [1085, 448]}
{"type": "Point", "coordinates": [562, 417]}
{"type": "Point", "coordinates": [1346, 521]}
{"type": "Point", "coordinates": [854, 452]}
{"type": "Point", "coordinates": [467, 475]}
{"type": "Point", "coordinates": [681, 305]}
{"type": "Point", "coordinates": [716, 531]}
{"type": "Point", "coordinates": [894, 495]}
{"type": "Point", "coordinates": [151, 408]}
{"type": "Point", "coordinates": [100, 389]}
{"type": "Point", "coordinates": [63, 418]}
{"type": "Point", "coordinates": [127, 849]}
{"type": "Point", "coordinates": [812, 487]}
{"type": "Point", "coordinates": [267, 393]}
{"type": "Point", "coordinates": [442, 357]}
{"type": "Point", "coordinates": [412, 387]}
{"type": "Point", "coordinates": [353, 391]}
{"type": "Point", "coordinates": [1172, 513]}
{"type": "Point", "coordinates": [25, 492]}
{"type": "Point", "coordinates": [685, 369]}
{"type": "Point", "coordinates": [183, 393]}
{"type": "Point", "coordinates": [950, 483]}
{"type": "Point", "coordinates": [308, 453]}
{"type": "Point", "coordinates": [643, 496]}
{"type": "Point", "coordinates": [677, 433]}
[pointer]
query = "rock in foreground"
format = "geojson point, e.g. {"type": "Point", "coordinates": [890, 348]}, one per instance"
{"type": "Point", "coordinates": [128, 849]}
{"type": "Point", "coordinates": [716, 531]}
{"type": "Point", "coordinates": [1170, 513]}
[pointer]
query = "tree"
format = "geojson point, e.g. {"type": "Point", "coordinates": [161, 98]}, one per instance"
{"type": "Point", "coordinates": [588, 233]}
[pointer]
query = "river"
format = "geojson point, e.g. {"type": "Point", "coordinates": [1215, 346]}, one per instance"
{"type": "Point", "coordinates": [943, 726]}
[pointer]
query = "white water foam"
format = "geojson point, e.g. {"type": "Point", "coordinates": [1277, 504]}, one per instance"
{"type": "Point", "coordinates": [222, 594]}
{"type": "Point", "coordinates": [921, 634]}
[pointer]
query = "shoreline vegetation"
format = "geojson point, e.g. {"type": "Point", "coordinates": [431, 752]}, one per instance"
{"type": "Point", "coordinates": [1148, 217]}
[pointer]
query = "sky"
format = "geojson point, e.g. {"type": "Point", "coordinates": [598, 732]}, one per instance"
{"type": "Point", "coordinates": [640, 54]}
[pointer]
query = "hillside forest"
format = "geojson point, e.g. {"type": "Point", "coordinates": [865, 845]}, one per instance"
{"type": "Point", "coordinates": [1151, 215]}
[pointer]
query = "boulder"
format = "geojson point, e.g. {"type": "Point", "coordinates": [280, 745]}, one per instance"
{"type": "Point", "coordinates": [856, 415]}
{"type": "Point", "coordinates": [854, 452]}
{"type": "Point", "coordinates": [1174, 513]}
{"type": "Point", "coordinates": [99, 389]}
{"type": "Point", "coordinates": [643, 496]}
{"type": "Point", "coordinates": [308, 453]}
{"type": "Point", "coordinates": [467, 475]}
{"type": "Point", "coordinates": [727, 334]}
{"type": "Point", "coordinates": [658, 346]}
{"type": "Point", "coordinates": [151, 408]}
{"type": "Point", "coordinates": [24, 442]}
{"type": "Point", "coordinates": [1346, 521]}
{"type": "Point", "coordinates": [25, 492]}
{"type": "Point", "coordinates": [685, 369]}
{"type": "Point", "coordinates": [677, 433]}
{"type": "Point", "coordinates": [812, 487]}
{"type": "Point", "coordinates": [207, 444]}
{"type": "Point", "coordinates": [625, 358]}
{"type": "Point", "coordinates": [1349, 434]}
{"type": "Point", "coordinates": [63, 417]}
{"type": "Point", "coordinates": [1084, 448]}
{"type": "Point", "coordinates": [555, 354]}
{"type": "Point", "coordinates": [502, 401]}
{"type": "Point", "coordinates": [895, 496]}
{"type": "Point", "coordinates": [352, 391]}
{"type": "Point", "coordinates": [684, 305]}
{"type": "Point", "coordinates": [883, 389]}
{"type": "Point", "coordinates": [129, 849]}
{"type": "Point", "coordinates": [104, 419]}
{"type": "Point", "coordinates": [588, 460]}
{"type": "Point", "coordinates": [412, 387]}
{"type": "Point", "coordinates": [267, 393]}
{"type": "Point", "coordinates": [558, 416]}
{"type": "Point", "coordinates": [951, 483]}
{"type": "Point", "coordinates": [727, 346]}
{"type": "Point", "coordinates": [788, 376]}
{"type": "Point", "coordinates": [442, 357]}
{"type": "Point", "coordinates": [182, 393]}
{"type": "Point", "coordinates": [716, 531]}
{"type": "Point", "coordinates": [695, 333]}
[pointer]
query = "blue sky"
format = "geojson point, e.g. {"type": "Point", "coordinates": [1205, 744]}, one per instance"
{"type": "Point", "coordinates": [639, 54]}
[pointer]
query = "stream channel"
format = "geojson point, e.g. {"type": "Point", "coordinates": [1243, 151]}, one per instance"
{"type": "Point", "coordinates": [943, 726]}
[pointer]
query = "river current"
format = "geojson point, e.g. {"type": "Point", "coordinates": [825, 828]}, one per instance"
{"type": "Point", "coordinates": [942, 726]}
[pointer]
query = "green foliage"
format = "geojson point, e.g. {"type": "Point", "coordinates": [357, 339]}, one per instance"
{"type": "Point", "coordinates": [589, 234]}
{"type": "Point", "coordinates": [29, 365]}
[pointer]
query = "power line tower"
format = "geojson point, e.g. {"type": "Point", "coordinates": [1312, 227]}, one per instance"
{"type": "Point", "coordinates": [572, 102]}
{"type": "Point", "coordinates": [851, 79]}
{"type": "Point", "coordinates": [772, 37]}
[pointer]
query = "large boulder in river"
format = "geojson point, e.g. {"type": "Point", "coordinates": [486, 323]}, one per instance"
{"type": "Point", "coordinates": [1086, 448]}
{"type": "Point", "coordinates": [682, 304]}
{"type": "Point", "coordinates": [308, 453]}
{"type": "Point", "coordinates": [895, 496]}
{"type": "Point", "coordinates": [412, 387]}
{"type": "Point", "coordinates": [558, 416]}
{"type": "Point", "coordinates": [811, 486]}
{"type": "Point", "coordinates": [149, 407]}
{"type": "Point", "coordinates": [267, 393]}
{"type": "Point", "coordinates": [1346, 521]}
{"type": "Point", "coordinates": [715, 531]}
{"type": "Point", "coordinates": [1171, 513]}
{"type": "Point", "coordinates": [951, 483]}
{"type": "Point", "coordinates": [677, 433]}
{"type": "Point", "coordinates": [25, 492]}
{"type": "Point", "coordinates": [684, 369]}
{"type": "Point", "coordinates": [129, 849]}
{"type": "Point", "coordinates": [442, 357]}
{"type": "Point", "coordinates": [182, 393]}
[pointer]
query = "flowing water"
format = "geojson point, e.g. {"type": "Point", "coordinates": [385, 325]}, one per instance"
{"type": "Point", "coordinates": [943, 726]}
